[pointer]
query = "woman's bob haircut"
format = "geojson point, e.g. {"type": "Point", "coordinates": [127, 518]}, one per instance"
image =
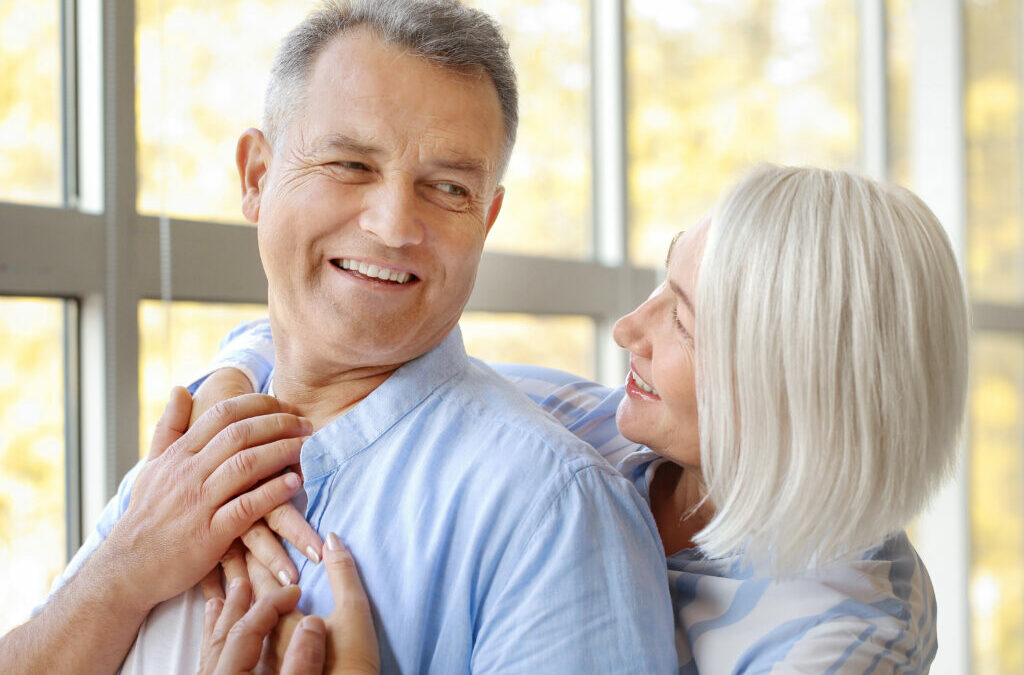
{"type": "Point", "coordinates": [831, 343]}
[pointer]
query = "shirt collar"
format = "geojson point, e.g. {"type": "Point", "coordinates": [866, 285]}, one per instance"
{"type": "Point", "coordinates": [407, 388]}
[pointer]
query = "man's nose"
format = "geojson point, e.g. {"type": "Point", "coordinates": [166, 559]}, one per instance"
{"type": "Point", "coordinates": [390, 214]}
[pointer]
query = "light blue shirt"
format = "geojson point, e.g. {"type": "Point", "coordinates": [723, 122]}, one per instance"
{"type": "Point", "coordinates": [488, 538]}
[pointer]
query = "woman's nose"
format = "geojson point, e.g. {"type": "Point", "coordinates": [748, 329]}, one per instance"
{"type": "Point", "coordinates": [630, 332]}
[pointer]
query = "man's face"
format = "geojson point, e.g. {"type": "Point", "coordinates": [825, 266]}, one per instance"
{"type": "Point", "coordinates": [373, 211]}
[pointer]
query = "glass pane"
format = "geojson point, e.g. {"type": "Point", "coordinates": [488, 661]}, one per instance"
{"type": "Point", "coordinates": [30, 119]}
{"type": "Point", "coordinates": [176, 344]}
{"type": "Point", "coordinates": [997, 505]}
{"type": "Point", "coordinates": [32, 527]}
{"type": "Point", "coordinates": [547, 205]}
{"type": "Point", "coordinates": [221, 54]}
{"type": "Point", "coordinates": [995, 252]}
{"type": "Point", "coordinates": [562, 342]}
{"type": "Point", "coordinates": [899, 38]}
{"type": "Point", "coordinates": [715, 87]}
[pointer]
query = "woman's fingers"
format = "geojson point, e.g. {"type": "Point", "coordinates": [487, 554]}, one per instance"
{"type": "Point", "coordinates": [353, 642]}
{"type": "Point", "coordinates": [263, 582]}
{"type": "Point", "coordinates": [239, 514]}
{"type": "Point", "coordinates": [239, 651]}
{"type": "Point", "coordinates": [307, 651]}
{"type": "Point", "coordinates": [287, 522]}
{"type": "Point", "coordinates": [215, 628]}
{"type": "Point", "coordinates": [267, 549]}
{"type": "Point", "coordinates": [211, 585]}
{"type": "Point", "coordinates": [173, 422]}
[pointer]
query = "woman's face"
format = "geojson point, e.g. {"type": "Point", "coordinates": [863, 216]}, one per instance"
{"type": "Point", "coordinates": [660, 407]}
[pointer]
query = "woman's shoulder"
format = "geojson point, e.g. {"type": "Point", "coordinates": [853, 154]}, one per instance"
{"type": "Point", "coordinates": [872, 613]}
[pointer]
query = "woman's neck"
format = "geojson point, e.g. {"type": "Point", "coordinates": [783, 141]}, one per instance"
{"type": "Point", "coordinates": [677, 502]}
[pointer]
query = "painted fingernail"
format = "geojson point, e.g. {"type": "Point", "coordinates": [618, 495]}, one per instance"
{"type": "Point", "coordinates": [292, 480]}
{"type": "Point", "coordinates": [286, 580]}
{"type": "Point", "coordinates": [333, 542]}
{"type": "Point", "coordinates": [312, 554]}
{"type": "Point", "coordinates": [312, 624]}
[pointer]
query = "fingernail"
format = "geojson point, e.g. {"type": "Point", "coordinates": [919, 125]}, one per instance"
{"type": "Point", "coordinates": [286, 580]}
{"type": "Point", "coordinates": [209, 606]}
{"type": "Point", "coordinates": [235, 583]}
{"type": "Point", "coordinates": [292, 480]}
{"type": "Point", "coordinates": [306, 424]}
{"type": "Point", "coordinates": [333, 542]}
{"type": "Point", "coordinates": [312, 554]}
{"type": "Point", "coordinates": [311, 624]}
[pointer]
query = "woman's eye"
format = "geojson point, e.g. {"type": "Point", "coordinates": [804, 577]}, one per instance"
{"type": "Point", "coordinates": [679, 324]}
{"type": "Point", "coordinates": [452, 189]}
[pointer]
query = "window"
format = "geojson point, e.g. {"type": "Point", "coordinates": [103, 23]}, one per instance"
{"type": "Point", "coordinates": [997, 493]}
{"type": "Point", "coordinates": [561, 342]}
{"type": "Point", "coordinates": [30, 112]}
{"type": "Point", "coordinates": [32, 453]}
{"type": "Point", "coordinates": [177, 341]}
{"type": "Point", "coordinates": [715, 88]}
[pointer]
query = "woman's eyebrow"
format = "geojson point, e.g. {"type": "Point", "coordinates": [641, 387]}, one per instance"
{"type": "Point", "coordinates": [672, 245]}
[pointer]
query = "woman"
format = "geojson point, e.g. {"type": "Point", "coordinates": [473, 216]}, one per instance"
{"type": "Point", "coordinates": [799, 384]}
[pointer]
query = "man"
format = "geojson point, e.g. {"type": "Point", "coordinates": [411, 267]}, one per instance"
{"type": "Point", "coordinates": [489, 539]}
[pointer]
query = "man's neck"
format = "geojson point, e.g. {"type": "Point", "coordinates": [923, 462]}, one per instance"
{"type": "Point", "coordinates": [322, 396]}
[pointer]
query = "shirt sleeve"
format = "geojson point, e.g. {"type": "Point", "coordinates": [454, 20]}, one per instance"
{"type": "Point", "coordinates": [585, 408]}
{"type": "Point", "coordinates": [112, 512]}
{"type": "Point", "coordinates": [586, 593]}
{"type": "Point", "coordinates": [249, 347]}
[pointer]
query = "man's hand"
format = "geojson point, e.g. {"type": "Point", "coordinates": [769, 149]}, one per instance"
{"type": "Point", "coordinates": [192, 499]}
{"type": "Point", "coordinates": [285, 520]}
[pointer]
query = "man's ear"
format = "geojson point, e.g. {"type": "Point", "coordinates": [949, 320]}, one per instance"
{"type": "Point", "coordinates": [495, 207]}
{"type": "Point", "coordinates": [252, 157]}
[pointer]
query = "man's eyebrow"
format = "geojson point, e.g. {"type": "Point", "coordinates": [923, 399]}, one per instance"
{"type": "Point", "coordinates": [345, 142]}
{"type": "Point", "coordinates": [682, 295]}
{"type": "Point", "coordinates": [672, 245]}
{"type": "Point", "coordinates": [477, 166]}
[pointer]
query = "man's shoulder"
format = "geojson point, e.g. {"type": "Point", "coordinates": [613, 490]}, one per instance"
{"type": "Point", "coordinates": [488, 402]}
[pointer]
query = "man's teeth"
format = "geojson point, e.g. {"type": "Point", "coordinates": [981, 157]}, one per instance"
{"type": "Point", "coordinates": [375, 272]}
{"type": "Point", "coordinates": [643, 385]}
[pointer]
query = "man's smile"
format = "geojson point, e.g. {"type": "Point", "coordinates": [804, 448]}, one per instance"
{"type": "Point", "coordinates": [374, 272]}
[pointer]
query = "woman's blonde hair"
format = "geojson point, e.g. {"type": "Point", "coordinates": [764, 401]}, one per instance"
{"type": "Point", "coordinates": [831, 341]}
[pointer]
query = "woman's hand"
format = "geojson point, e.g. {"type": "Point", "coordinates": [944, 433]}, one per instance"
{"type": "Point", "coordinates": [233, 633]}
{"type": "Point", "coordinates": [351, 639]}
{"type": "Point", "coordinates": [285, 519]}
{"type": "Point", "coordinates": [202, 488]}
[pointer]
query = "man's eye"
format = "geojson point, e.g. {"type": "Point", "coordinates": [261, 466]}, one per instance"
{"type": "Point", "coordinates": [453, 189]}
{"type": "Point", "coordinates": [354, 166]}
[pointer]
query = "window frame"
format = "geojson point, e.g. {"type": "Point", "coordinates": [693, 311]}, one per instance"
{"type": "Point", "coordinates": [104, 257]}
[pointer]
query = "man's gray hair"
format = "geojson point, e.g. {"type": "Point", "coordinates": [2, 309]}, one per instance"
{"type": "Point", "coordinates": [444, 32]}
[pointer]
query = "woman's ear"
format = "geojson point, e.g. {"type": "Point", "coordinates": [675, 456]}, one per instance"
{"type": "Point", "coordinates": [252, 157]}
